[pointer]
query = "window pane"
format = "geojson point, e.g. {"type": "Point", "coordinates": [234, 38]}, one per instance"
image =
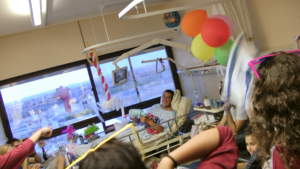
{"type": "Point", "coordinates": [126, 92]}
{"type": "Point", "coordinates": [152, 84]}
{"type": "Point", "coordinates": [56, 99]}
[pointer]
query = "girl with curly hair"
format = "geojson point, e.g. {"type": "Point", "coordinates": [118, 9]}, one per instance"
{"type": "Point", "coordinates": [276, 109]}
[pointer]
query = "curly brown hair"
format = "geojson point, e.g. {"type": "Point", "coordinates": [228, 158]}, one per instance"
{"type": "Point", "coordinates": [276, 105]}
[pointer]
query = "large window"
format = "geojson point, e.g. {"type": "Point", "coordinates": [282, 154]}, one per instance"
{"type": "Point", "coordinates": [126, 92]}
{"type": "Point", "coordinates": [143, 84]}
{"type": "Point", "coordinates": [68, 94]}
{"type": "Point", "coordinates": [150, 83]}
{"type": "Point", "coordinates": [56, 100]}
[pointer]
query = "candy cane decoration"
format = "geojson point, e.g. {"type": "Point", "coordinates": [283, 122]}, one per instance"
{"type": "Point", "coordinates": [95, 62]}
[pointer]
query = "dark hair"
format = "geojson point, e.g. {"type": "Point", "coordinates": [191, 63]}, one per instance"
{"type": "Point", "coordinates": [112, 155]}
{"type": "Point", "coordinates": [171, 92]}
{"type": "Point", "coordinates": [12, 140]}
{"type": "Point", "coordinates": [276, 99]}
{"type": "Point", "coordinates": [248, 130]}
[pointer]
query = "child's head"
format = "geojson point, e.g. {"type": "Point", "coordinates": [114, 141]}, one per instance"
{"type": "Point", "coordinates": [275, 105]}
{"type": "Point", "coordinates": [251, 142]}
{"type": "Point", "coordinates": [5, 149]}
{"type": "Point", "coordinates": [14, 142]}
{"type": "Point", "coordinates": [114, 154]}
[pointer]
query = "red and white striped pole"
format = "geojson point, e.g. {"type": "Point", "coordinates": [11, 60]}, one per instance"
{"type": "Point", "coordinates": [94, 57]}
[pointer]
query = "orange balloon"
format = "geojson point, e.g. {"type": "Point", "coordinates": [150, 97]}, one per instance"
{"type": "Point", "coordinates": [192, 22]}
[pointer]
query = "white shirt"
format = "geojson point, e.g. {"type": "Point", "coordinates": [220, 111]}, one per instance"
{"type": "Point", "coordinates": [237, 116]}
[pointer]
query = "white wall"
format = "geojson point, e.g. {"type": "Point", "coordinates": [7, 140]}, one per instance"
{"type": "Point", "coordinates": [275, 22]}
{"type": "Point", "coordinates": [3, 138]}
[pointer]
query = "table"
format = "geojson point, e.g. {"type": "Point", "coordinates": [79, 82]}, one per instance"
{"type": "Point", "coordinates": [209, 111]}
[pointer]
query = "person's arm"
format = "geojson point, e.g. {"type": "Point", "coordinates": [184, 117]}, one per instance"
{"type": "Point", "coordinates": [43, 132]}
{"type": "Point", "coordinates": [152, 123]}
{"type": "Point", "coordinates": [35, 159]}
{"type": "Point", "coordinates": [25, 164]}
{"type": "Point", "coordinates": [198, 147]}
{"type": "Point", "coordinates": [234, 126]}
{"type": "Point", "coordinates": [16, 156]}
{"type": "Point", "coordinates": [223, 121]}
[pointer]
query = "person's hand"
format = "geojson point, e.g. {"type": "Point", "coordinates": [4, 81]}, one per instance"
{"type": "Point", "coordinates": [35, 166]}
{"type": "Point", "coordinates": [46, 132]}
{"type": "Point", "coordinates": [134, 119]}
{"type": "Point", "coordinates": [227, 107]}
{"type": "Point", "coordinates": [145, 119]}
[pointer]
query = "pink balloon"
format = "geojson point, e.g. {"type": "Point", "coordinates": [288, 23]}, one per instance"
{"type": "Point", "coordinates": [227, 20]}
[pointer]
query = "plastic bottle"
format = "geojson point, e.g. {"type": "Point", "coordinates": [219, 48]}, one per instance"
{"type": "Point", "coordinates": [196, 98]}
{"type": "Point", "coordinates": [134, 113]}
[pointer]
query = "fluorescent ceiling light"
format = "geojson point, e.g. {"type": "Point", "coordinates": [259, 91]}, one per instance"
{"type": "Point", "coordinates": [19, 7]}
{"type": "Point", "coordinates": [128, 7]}
{"type": "Point", "coordinates": [36, 12]}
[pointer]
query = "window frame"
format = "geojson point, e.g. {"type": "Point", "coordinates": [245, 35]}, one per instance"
{"type": "Point", "coordinates": [106, 116]}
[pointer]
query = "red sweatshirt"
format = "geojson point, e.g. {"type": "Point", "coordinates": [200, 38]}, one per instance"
{"type": "Point", "coordinates": [16, 156]}
{"type": "Point", "coordinates": [226, 155]}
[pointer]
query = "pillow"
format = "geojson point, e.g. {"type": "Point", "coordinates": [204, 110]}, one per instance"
{"type": "Point", "coordinates": [176, 100]}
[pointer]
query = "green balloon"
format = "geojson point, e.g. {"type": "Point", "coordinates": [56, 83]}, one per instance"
{"type": "Point", "coordinates": [222, 53]}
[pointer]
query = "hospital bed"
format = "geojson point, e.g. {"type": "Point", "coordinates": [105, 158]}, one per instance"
{"type": "Point", "coordinates": [172, 137]}
{"type": "Point", "coordinates": [156, 143]}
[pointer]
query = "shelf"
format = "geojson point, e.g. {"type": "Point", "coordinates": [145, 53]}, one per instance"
{"type": "Point", "coordinates": [198, 70]}
{"type": "Point", "coordinates": [209, 110]}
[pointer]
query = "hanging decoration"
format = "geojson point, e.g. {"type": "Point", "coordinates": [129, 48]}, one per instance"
{"type": "Point", "coordinates": [201, 50]}
{"type": "Point", "coordinates": [192, 22]}
{"type": "Point", "coordinates": [109, 103]}
{"type": "Point", "coordinates": [222, 53]}
{"type": "Point", "coordinates": [215, 32]}
{"type": "Point", "coordinates": [95, 62]}
{"type": "Point", "coordinates": [228, 21]}
{"type": "Point", "coordinates": [172, 19]}
{"type": "Point", "coordinates": [70, 130]}
{"type": "Point", "coordinates": [210, 35]}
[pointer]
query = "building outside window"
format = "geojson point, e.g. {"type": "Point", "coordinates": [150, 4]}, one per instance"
{"type": "Point", "coordinates": [55, 100]}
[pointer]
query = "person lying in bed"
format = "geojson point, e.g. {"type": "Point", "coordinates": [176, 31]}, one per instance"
{"type": "Point", "coordinates": [156, 115]}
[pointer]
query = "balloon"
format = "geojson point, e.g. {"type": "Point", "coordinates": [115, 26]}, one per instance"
{"type": "Point", "coordinates": [200, 50]}
{"type": "Point", "coordinates": [192, 22]}
{"type": "Point", "coordinates": [227, 20]}
{"type": "Point", "coordinates": [171, 19]}
{"type": "Point", "coordinates": [215, 32]}
{"type": "Point", "coordinates": [222, 53]}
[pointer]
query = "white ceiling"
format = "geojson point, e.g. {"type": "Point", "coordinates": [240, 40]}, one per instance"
{"type": "Point", "coordinates": [15, 15]}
